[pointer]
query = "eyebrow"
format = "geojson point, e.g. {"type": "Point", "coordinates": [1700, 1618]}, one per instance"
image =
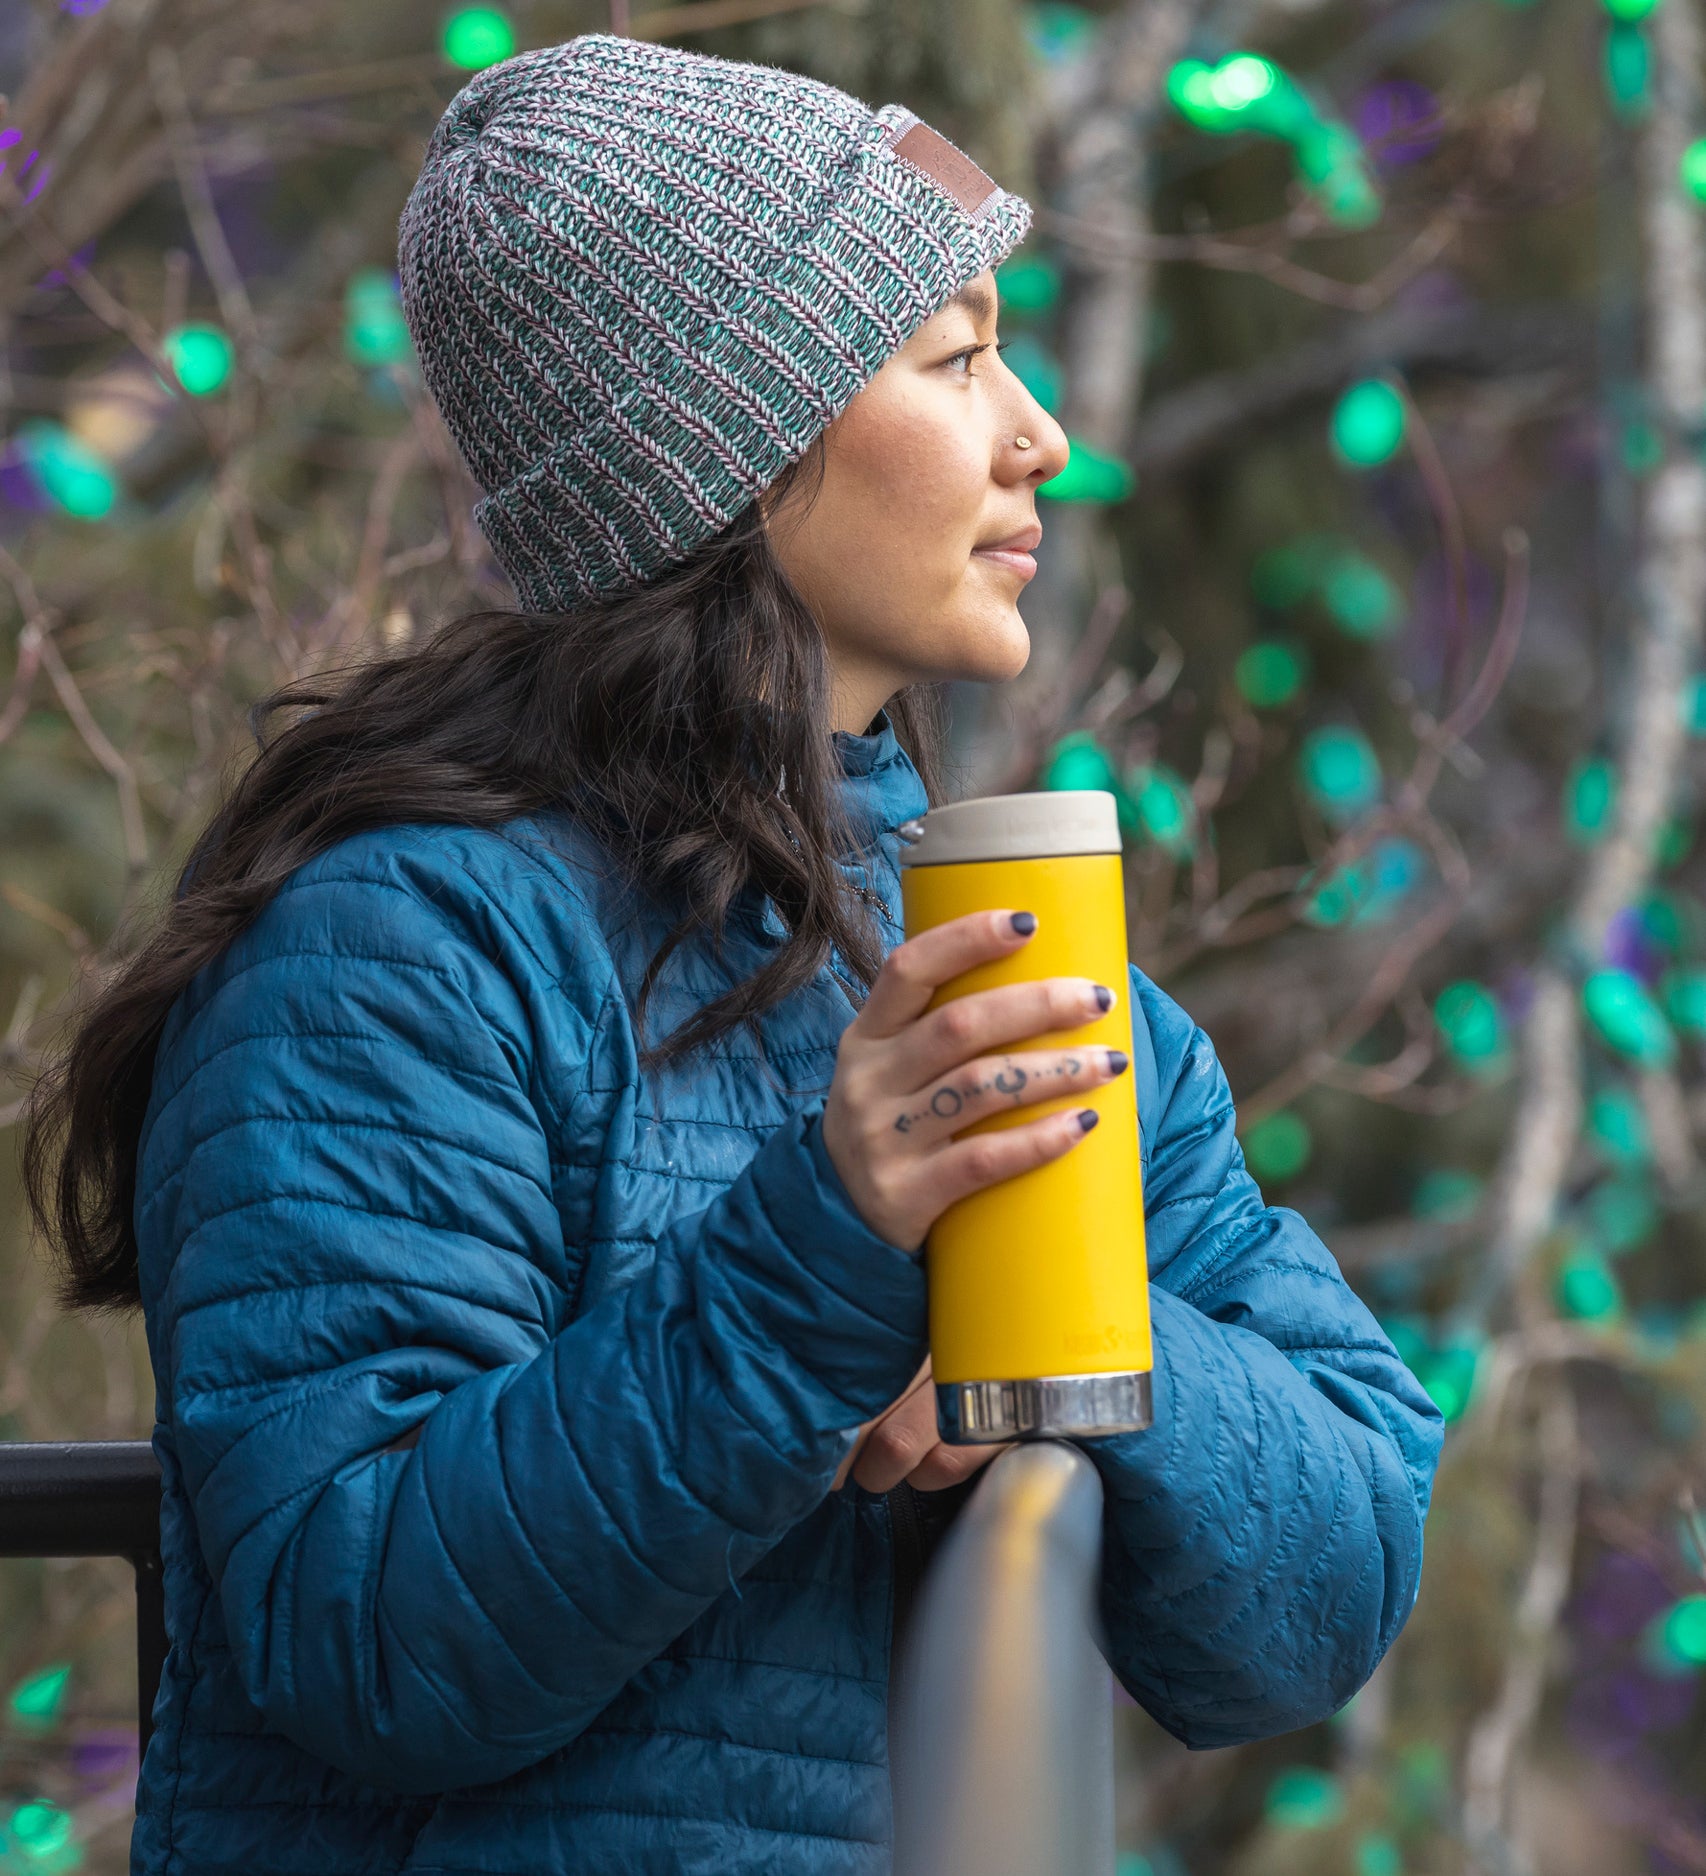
{"type": "Point", "coordinates": [976, 300]}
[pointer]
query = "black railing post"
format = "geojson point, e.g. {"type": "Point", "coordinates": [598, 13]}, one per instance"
{"type": "Point", "coordinates": [1004, 1754]}
{"type": "Point", "coordinates": [93, 1498]}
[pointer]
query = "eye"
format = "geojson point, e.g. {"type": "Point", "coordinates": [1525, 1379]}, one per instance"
{"type": "Point", "coordinates": [971, 352]}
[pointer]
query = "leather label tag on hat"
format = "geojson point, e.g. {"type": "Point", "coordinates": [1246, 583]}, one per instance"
{"type": "Point", "coordinates": [931, 152]}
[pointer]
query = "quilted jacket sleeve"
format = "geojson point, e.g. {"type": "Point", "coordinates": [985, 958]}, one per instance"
{"type": "Point", "coordinates": [349, 1232]}
{"type": "Point", "coordinates": [1264, 1536]}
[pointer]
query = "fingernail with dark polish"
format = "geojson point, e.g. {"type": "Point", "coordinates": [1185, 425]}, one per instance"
{"type": "Point", "coordinates": [1118, 1061]}
{"type": "Point", "coordinates": [1024, 923]}
{"type": "Point", "coordinates": [1104, 997]}
{"type": "Point", "coordinates": [1087, 1118]}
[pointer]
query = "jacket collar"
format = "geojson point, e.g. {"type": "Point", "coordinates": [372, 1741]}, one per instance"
{"type": "Point", "coordinates": [880, 787]}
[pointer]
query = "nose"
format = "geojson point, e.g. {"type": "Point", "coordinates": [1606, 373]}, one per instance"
{"type": "Point", "coordinates": [1048, 447]}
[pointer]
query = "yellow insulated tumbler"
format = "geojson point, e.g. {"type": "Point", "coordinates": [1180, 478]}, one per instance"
{"type": "Point", "coordinates": [1039, 1290]}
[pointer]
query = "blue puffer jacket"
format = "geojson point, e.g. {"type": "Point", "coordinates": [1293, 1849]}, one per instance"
{"type": "Point", "coordinates": [501, 1388]}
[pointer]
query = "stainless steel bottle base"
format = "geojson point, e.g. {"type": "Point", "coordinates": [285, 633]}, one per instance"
{"type": "Point", "coordinates": [1055, 1406]}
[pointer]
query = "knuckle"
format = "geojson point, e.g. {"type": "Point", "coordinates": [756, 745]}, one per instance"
{"type": "Point", "coordinates": [983, 1162]}
{"type": "Point", "coordinates": [1065, 997]}
{"type": "Point", "coordinates": [956, 1024]}
{"type": "Point", "coordinates": [901, 966]}
{"type": "Point", "coordinates": [898, 1439]}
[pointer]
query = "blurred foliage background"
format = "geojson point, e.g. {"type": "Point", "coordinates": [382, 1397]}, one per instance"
{"type": "Point", "coordinates": [1375, 589]}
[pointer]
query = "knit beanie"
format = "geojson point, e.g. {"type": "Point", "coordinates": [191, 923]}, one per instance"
{"type": "Point", "coordinates": [641, 280]}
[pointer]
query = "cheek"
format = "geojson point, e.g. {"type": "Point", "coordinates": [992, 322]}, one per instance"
{"type": "Point", "coordinates": [907, 514]}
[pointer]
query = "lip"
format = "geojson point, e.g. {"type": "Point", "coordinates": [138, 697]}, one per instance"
{"type": "Point", "coordinates": [1015, 551]}
{"type": "Point", "coordinates": [1023, 541]}
{"type": "Point", "coordinates": [1021, 563]}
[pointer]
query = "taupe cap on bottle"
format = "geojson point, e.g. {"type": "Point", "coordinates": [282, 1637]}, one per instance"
{"type": "Point", "coordinates": [1048, 825]}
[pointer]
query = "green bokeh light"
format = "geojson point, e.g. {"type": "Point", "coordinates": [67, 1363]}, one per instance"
{"type": "Point", "coordinates": [1469, 1019]}
{"type": "Point", "coordinates": [1446, 1195]}
{"type": "Point", "coordinates": [375, 332]}
{"type": "Point", "coordinates": [1641, 447]}
{"type": "Point", "coordinates": [1278, 1146]}
{"type": "Point", "coordinates": [1409, 1337]}
{"type": "Point", "coordinates": [1364, 603]}
{"type": "Point", "coordinates": [1369, 889]}
{"type": "Point", "coordinates": [1079, 761]}
{"type": "Point", "coordinates": [1330, 158]}
{"type": "Point", "coordinates": [1190, 87]}
{"type": "Point", "coordinates": [1667, 920]}
{"type": "Point", "coordinates": [1590, 799]}
{"type": "Point", "coordinates": [1368, 424]}
{"type": "Point", "coordinates": [37, 1701]}
{"type": "Point", "coordinates": [477, 37]}
{"type": "Point", "coordinates": [1303, 1797]}
{"type": "Point", "coordinates": [1058, 33]}
{"type": "Point", "coordinates": [1587, 1289]}
{"type": "Point", "coordinates": [1245, 92]}
{"type": "Point", "coordinates": [68, 472]}
{"type": "Point", "coordinates": [1090, 476]}
{"type": "Point", "coordinates": [1162, 807]}
{"type": "Point", "coordinates": [1242, 79]}
{"type": "Point", "coordinates": [201, 355]}
{"type": "Point", "coordinates": [1448, 1375]}
{"type": "Point", "coordinates": [1618, 1006]}
{"type": "Point", "coordinates": [1620, 1214]}
{"type": "Point", "coordinates": [1378, 1855]}
{"type": "Point", "coordinates": [1027, 283]}
{"type": "Point", "coordinates": [1618, 1126]}
{"type": "Point", "coordinates": [1684, 994]}
{"type": "Point", "coordinates": [1340, 770]}
{"type": "Point", "coordinates": [1685, 1630]}
{"type": "Point", "coordinates": [41, 1828]}
{"type": "Point", "coordinates": [1631, 9]}
{"type": "Point", "coordinates": [1270, 673]}
{"type": "Point", "coordinates": [1691, 705]}
{"type": "Point", "coordinates": [1627, 67]}
{"type": "Point", "coordinates": [1693, 169]}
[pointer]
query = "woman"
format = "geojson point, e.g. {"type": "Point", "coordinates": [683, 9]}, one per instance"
{"type": "Point", "coordinates": [498, 1132]}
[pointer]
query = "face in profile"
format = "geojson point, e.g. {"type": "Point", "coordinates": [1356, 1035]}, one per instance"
{"type": "Point", "coordinates": [921, 476]}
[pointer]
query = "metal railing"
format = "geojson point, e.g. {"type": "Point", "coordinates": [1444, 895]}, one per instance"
{"type": "Point", "coordinates": [1003, 1762]}
{"type": "Point", "coordinates": [93, 1498]}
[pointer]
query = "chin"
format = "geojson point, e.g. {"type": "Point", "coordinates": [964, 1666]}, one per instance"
{"type": "Point", "coordinates": [1006, 653]}
{"type": "Point", "coordinates": [987, 651]}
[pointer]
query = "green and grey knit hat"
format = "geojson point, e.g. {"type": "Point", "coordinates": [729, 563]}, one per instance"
{"type": "Point", "coordinates": [641, 280]}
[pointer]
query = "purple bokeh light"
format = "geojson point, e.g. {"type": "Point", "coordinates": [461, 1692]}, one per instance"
{"type": "Point", "coordinates": [1629, 947]}
{"type": "Point", "coordinates": [18, 486]}
{"type": "Point", "coordinates": [1645, 1701]}
{"type": "Point", "coordinates": [59, 276]}
{"type": "Point", "coordinates": [1621, 1597]}
{"type": "Point", "coordinates": [11, 137]}
{"type": "Point", "coordinates": [104, 1754]}
{"type": "Point", "coordinates": [1399, 122]}
{"type": "Point", "coordinates": [1434, 290]}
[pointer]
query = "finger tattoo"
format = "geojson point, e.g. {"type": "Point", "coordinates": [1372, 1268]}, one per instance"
{"type": "Point", "coordinates": [1011, 1079]}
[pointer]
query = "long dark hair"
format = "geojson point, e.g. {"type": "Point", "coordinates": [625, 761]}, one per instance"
{"type": "Point", "coordinates": [685, 722]}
